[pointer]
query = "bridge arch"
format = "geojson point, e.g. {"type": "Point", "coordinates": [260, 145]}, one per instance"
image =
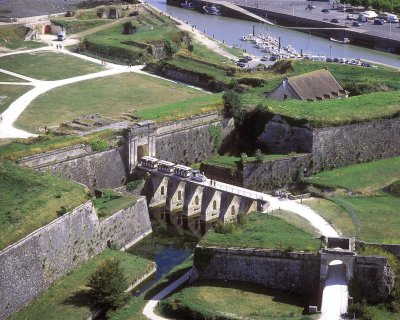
{"type": "Point", "coordinates": [335, 262]}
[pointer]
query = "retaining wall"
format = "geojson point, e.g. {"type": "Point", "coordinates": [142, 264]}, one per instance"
{"type": "Point", "coordinates": [31, 265]}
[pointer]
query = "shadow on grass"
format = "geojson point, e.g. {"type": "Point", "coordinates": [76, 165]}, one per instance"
{"type": "Point", "coordinates": [81, 298]}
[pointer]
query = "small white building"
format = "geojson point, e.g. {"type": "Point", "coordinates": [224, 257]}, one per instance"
{"type": "Point", "coordinates": [368, 15]}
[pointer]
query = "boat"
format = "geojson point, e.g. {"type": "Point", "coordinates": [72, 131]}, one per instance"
{"type": "Point", "coordinates": [344, 41]}
{"type": "Point", "coordinates": [213, 10]}
{"type": "Point", "coordinates": [248, 37]}
{"type": "Point", "coordinates": [187, 5]}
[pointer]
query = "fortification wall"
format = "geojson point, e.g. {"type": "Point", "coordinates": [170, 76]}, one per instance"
{"type": "Point", "coordinates": [294, 272]}
{"type": "Point", "coordinates": [104, 169]}
{"type": "Point", "coordinates": [374, 277]}
{"type": "Point", "coordinates": [275, 173]}
{"type": "Point", "coordinates": [189, 144]}
{"type": "Point", "coordinates": [32, 264]}
{"type": "Point", "coordinates": [334, 146]}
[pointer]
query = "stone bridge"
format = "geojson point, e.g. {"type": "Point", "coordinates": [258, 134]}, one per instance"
{"type": "Point", "coordinates": [212, 200]}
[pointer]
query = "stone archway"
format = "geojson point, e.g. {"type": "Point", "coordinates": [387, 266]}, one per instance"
{"type": "Point", "coordinates": [141, 142]}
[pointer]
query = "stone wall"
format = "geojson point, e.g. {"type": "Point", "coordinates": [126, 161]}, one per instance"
{"type": "Point", "coordinates": [334, 146]}
{"type": "Point", "coordinates": [104, 169]}
{"type": "Point", "coordinates": [374, 278]}
{"type": "Point", "coordinates": [189, 145]}
{"type": "Point", "coordinates": [32, 264]}
{"type": "Point", "coordinates": [391, 248]}
{"type": "Point", "coordinates": [275, 173]}
{"type": "Point", "coordinates": [293, 272]}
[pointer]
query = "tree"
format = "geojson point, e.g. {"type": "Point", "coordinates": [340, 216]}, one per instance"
{"type": "Point", "coordinates": [108, 284]}
{"type": "Point", "coordinates": [233, 107]}
{"type": "Point", "coordinates": [190, 48]}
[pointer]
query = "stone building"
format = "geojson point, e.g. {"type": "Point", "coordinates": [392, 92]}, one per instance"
{"type": "Point", "coordinates": [313, 86]}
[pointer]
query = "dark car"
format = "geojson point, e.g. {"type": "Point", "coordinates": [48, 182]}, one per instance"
{"type": "Point", "coordinates": [248, 58]}
{"type": "Point", "coordinates": [325, 10]}
{"type": "Point", "coordinates": [242, 64]}
{"type": "Point", "coordinates": [329, 60]}
{"type": "Point", "coordinates": [334, 20]}
{"type": "Point", "coordinates": [356, 24]}
{"type": "Point", "coordinates": [310, 7]}
{"type": "Point", "coordinates": [379, 22]}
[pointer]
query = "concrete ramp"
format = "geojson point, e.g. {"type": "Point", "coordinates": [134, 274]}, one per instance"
{"type": "Point", "coordinates": [336, 293]}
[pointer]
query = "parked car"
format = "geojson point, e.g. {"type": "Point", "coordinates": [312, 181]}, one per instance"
{"type": "Point", "coordinates": [310, 7]}
{"type": "Point", "coordinates": [265, 58]}
{"type": "Point", "coordinates": [242, 64]}
{"type": "Point", "coordinates": [335, 20]}
{"type": "Point", "coordinates": [273, 58]}
{"type": "Point", "coordinates": [356, 24]}
{"type": "Point", "coordinates": [325, 10]}
{"type": "Point", "coordinates": [248, 58]}
{"type": "Point", "coordinates": [329, 59]}
{"type": "Point", "coordinates": [379, 22]}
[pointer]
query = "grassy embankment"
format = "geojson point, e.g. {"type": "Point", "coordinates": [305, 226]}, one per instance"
{"type": "Point", "coordinates": [58, 66]}
{"type": "Point", "coordinates": [111, 202]}
{"type": "Point", "coordinates": [12, 37]}
{"type": "Point", "coordinates": [9, 93]}
{"type": "Point", "coordinates": [69, 296]}
{"type": "Point", "coordinates": [30, 200]}
{"type": "Point", "coordinates": [374, 214]}
{"type": "Point", "coordinates": [233, 300]}
{"type": "Point", "coordinates": [123, 92]}
{"type": "Point", "coordinates": [264, 231]}
{"type": "Point", "coordinates": [19, 148]}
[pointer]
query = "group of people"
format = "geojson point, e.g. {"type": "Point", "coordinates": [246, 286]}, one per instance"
{"type": "Point", "coordinates": [103, 62]}
{"type": "Point", "coordinates": [59, 46]}
{"type": "Point", "coordinates": [212, 182]}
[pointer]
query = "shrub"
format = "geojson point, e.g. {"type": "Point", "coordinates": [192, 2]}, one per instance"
{"type": "Point", "coordinates": [216, 136]}
{"type": "Point", "coordinates": [242, 218]}
{"type": "Point", "coordinates": [224, 228]}
{"type": "Point", "coordinates": [131, 186]}
{"type": "Point", "coordinates": [99, 144]}
{"type": "Point", "coordinates": [108, 284]}
{"type": "Point", "coordinates": [360, 310]}
{"type": "Point", "coordinates": [259, 156]}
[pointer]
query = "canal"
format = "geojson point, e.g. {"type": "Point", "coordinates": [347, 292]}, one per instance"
{"type": "Point", "coordinates": [230, 30]}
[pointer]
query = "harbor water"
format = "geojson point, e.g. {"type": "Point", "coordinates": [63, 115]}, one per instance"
{"type": "Point", "coordinates": [231, 30]}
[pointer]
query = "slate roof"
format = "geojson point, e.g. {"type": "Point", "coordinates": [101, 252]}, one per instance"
{"type": "Point", "coordinates": [316, 85]}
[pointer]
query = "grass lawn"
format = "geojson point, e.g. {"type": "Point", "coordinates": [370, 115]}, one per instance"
{"type": "Point", "coordinates": [365, 178]}
{"type": "Point", "coordinates": [264, 231]}
{"type": "Point", "coordinates": [110, 96]}
{"type": "Point", "coordinates": [20, 148]}
{"type": "Point", "coordinates": [69, 296]}
{"type": "Point", "coordinates": [332, 212]}
{"type": "Point", "coordinates": [73, 25]}
{"type": "Point", "coordinates": [134, 309]}
{"type": "Point", "coordinates": [233, 300]}
{"type": "Point", "coordinates": [112, 202]}
{"type": "Point", "coordinates": [9, 93]}
{"type": "Point", "coordinates": [30, 200]}
{"type": "Point", "coordinates": [57, 65]}
{"type": "Point", "coordinates": [4, 77]}
{"type": "Point", "coordinates": [295, 220]}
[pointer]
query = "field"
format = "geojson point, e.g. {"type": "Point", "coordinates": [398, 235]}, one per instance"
{"type": "Point", "coordinates": [9, 93]}
{"type": "Point", "coordinates": [69, 296]}
{"type": "Point", "coordinates": [112, 202]}
{"type": "Point", "coordinates": [30, 200]}
{"type": "Point", "coordinates": [374, 214]}
{"type": "Point", "coordinates": [264, 231]}
{"type": "Point", "coordinates": [110, 96]}
{"type": "Point", "coordinates": [48, 66]}
{"type": "Point", "coordinates": [233, 300]}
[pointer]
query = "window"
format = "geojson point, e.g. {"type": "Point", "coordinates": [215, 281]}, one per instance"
{"type": "Point", "coordinates": [179, 195]}
{"type": "Point", "coordinates": [233, 210]}
{"type": "Point", "coordinates": [196, 200]}
{"type": "Point", "coordinates": [214, 205]}
{"type": "Point", "coordinates": [162, 190]}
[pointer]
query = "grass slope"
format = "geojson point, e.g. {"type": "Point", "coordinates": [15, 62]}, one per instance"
{"type": "Point", "coordinates": [110, 96]}
{"type": "Point", "coordinates": [12, 37]}
{"type": "Point", "coordinates": [234, 300]}
{"type": "Point", "coordinates": [30, 200]}
{"type": "Point", "coordinates": [69, 296]}
{"type": "Point", "coordinates": [9, 93]}
{"type": "Point", "coordinates": [48, 66]}
{"type": "Point", "coordinates": [112, 202]}
{"type": "Point", "coordinates": [264, 231]}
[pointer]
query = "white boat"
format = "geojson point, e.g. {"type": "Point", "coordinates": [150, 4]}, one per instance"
{"type": "Point", "coordinates": [213, 10]}
{"type": "Point", "coordinates": [187, 5]}
{"type": "Point", "coordinates": [345, 40]}
{"type": "Point", "coordinates": [248, 37]}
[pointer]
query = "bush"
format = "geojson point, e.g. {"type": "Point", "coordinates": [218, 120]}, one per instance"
{"type": "Point", "coordinates": [108, 284]}
{"type": "Point", "coordinates": [242, 218]}
{"type": "Point", "coordinates": [360, 310]}
{"type": "Point", "coordinates": [215, 132]}
{"type": "Point", "coordinates": [131, 186]}
{"type": "Point", "coordinates": [259, 156]}
{"type": "Point", "coordinates": [99, 144]}
{"type": "Point", "coordinates": [224, 228]}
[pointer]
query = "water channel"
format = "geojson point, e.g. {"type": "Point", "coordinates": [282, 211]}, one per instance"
{"type": "Point", "coordinates": [230, 30]}
{"type": "Point", "coordinates": [172, 241]}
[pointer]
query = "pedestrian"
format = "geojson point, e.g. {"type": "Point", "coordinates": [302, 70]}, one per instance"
{"type": "Point", "coordinates": [1, 118]}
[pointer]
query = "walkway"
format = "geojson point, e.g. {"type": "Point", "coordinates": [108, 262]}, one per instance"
{"type": "Point", "coordinates": [148, 310]}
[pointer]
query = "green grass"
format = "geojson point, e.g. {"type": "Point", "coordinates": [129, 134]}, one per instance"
{"type": "Point", "coordinates": [264, 231]}
{"type": "Point", "coordinates": [335, 214]}
{"type": "Point", "coordinates": [30, 200]}
{"type": "Point", "coordinates": [123, 92]}
{"type": "Point", "coordinates": [12, 37]}
{"type": "Point", "coordinates": [364, 178]}
{"type": "Point", "coordinates": [203, 52]}
{"type": "Point", "coordinates": [9, 93]}
{"type": "Point", "coordinates": [112, 202]}
{"type": "Point", "coordinates": [57, 65]}
{"type": "Point", "coordinates": [134, 309]}
{"type": "Point", "coordinates": [295, 220]}
{"type": "Point", "coordinates": [72, 25]}
{"type": "Point", "coordinates": [20, 148]}
{"type": "Point", "coordinates": [69, 296]}
{"type": "Point", "coordinates": [4, 77]}
{"type": "Point", "coordinates": [182, 109]}
{"type": "Point", "coordinates": [234, 300]}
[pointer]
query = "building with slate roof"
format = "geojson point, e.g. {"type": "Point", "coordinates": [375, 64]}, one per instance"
{"type": "Point", "coordinates": [313, 86]}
